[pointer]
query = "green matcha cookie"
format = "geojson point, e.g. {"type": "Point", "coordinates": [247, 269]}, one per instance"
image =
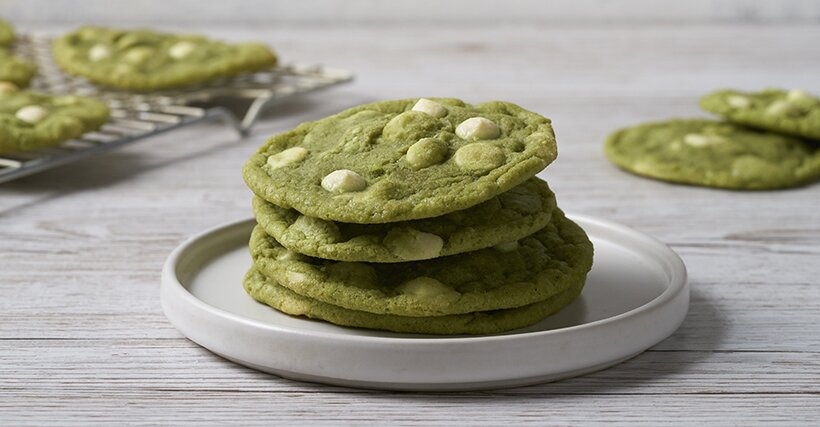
{"type": "Point", "coordinates": [715, 154]}
{"type": "Point", "coordinates": [283, 299]}
{"type": "Point", "coordinates": [521, 273]}
{"type": "Point", "coordinates": [15, 70]}
{"type": "Point", "coordinates": [144, 60]}
{"type": "Point", "coordinates": [510, 216]}
{"type": "Point", "coordinates": [401, 160]}
{"type": "Point", "coordinates": [30, 120]}
{"type": "Point", "coordinates": [6, 33]}
{"type": "Point", "coordinates": [793, 113]}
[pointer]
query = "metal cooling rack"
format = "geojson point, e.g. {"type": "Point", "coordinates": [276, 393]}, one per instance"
{"type": "Point", "coordinates": [135, 116]}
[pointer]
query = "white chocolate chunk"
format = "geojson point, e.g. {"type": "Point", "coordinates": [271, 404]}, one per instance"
{"type": "Point", "coordinates": [138, 55]}
{"type": "Point", "coordinates": [506, 246]}
{"type": "Point", "coordinates": [643, 167]}
{"type": "Point", "coordinates": [427, 288]}
{"type": "Point", "coordinates": [295, 307]}
{"type": "Point", "coordinates": [479, 157]}
{"type": "Point", "coordinates": [295, 277]}
{"type": "Point", "coordinates": [343, 181]}
{"type": "Point", "coordinates": [98, 52]}
{"type": "Point", "coordinates": [798, 95]}
{"type": "Point", "coordinates": [32, 114]}
{"type": "Point", "coordinates": [700, 140]}
{"type": "Point", "coordinates": [426, 152]}
{"type": "Point", "coordinates": [8, 87]}
{"type": "Point", "coordinates": [783, 108]}
{"type": "Point", "coordinates": [738, 101]}
{"type": "Point", "coordinates": [65, 100]}
{"type": "Point", "coordinates": [432, 108]}
{"type": "Point", "coordinates": [478, 128]}
{"type": "Point", "coordinates": [315, 230]}
{"type": "Point", "coordinates": [181, 49]}
{"type": "Point", "coordinates": [286, 157]}
{"type": "Point", "coordinates": [410, 244]}
{"type": "Point", "coordinates": [289, 255]}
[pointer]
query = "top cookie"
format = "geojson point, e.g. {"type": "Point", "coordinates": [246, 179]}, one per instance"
{"type": "Point", "coordinates": [6, 33]}
{"type": "Point", "coordinates": [30, 120]}
{"type": "Point", "coordinates": [401, 160]}
{"type": "Point", "coordinates": [145, 60]}
{"type": "Point", "coordinates": [793, 112]}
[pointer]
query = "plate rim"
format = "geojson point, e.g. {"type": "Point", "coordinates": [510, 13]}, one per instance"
{"type": "Point", "coordinates": [677, 283]}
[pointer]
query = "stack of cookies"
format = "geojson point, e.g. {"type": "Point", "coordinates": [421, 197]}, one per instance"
{"type": "Point", "coordinates": [418, 215]}
{"type": "Point", "coordinates": [766, 140]}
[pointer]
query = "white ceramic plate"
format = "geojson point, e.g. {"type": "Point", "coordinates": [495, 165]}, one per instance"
{"type": "Point", "coordinates": [635, 296]}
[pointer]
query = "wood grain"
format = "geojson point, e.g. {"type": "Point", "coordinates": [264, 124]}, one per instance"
{"type": "Point", "coordinates": [83, 339]}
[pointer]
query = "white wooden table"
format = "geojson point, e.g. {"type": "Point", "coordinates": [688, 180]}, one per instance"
{"type": "Point", "coordinates": [83, 339]}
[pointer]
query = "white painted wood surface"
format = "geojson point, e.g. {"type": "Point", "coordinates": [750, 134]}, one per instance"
{"type": "Point", "coordinates": [416, 12]}
{"type": "Point", "coordinates": [83, 339]}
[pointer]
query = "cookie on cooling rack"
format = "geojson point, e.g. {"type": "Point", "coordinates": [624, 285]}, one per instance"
{"type": "Point", "coordinates": [30, 120]}
{"type": "Point", "coordinates": [145, 60]}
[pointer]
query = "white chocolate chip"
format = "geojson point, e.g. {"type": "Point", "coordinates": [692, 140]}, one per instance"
{"type": "Point", "coordinates": [427, 288]}
{"type": "Point", "coordinates": [32, 114]}
{"type": "Point", "coordinates": [138, 55]}
{"type": "Point", "coordinates": [432, 108]}
{"type": "Point", "coordinates": [295, 307]}
{"type": "Point", "coordinates": [8, 87]}
{"type": "Point", "coordinates": [798, 95]}
{"type": "Point", "coordinates": [426, 152]}
{"type": "Point", "coordinates": [315, 230]}
{"type": "Point", "coordinates": [506, 246]}
{"type": "Point", "coordinates": [181, 49]}
{"type": "Point", "coordinates": [343, 181]}
{"type": "Point", "coordinates": [289, 255]}
{"type": "Point", "coordinates": [286, 157]}
{"type": "Point", "coordinates": [65, 100]}
{"type": "Point", "coordinates": [295, 277]}
{"type": "Point", "coordinates": [479, 157]}
{"type": "Point", "coordinates": [783, 108]}
{"type": "Point", "coordinates": [738, 101]}
{"type": "Point", "coordinates": [478, 128]}
{"type": "Point", "coordinates": [700, 140]}
{"type": "Point", "coordinates": [409, 244]}
{"type": "Point", "coordinates": [643, 167]}
{"type": "Point", "coordinates": [98, 52]}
